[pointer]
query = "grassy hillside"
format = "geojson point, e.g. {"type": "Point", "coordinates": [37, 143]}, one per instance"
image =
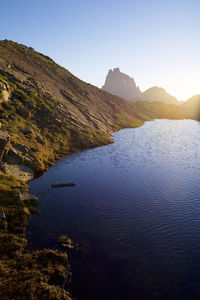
{"type": "Point", "coordinates": [51, 112]}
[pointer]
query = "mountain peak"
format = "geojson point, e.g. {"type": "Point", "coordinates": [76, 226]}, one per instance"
{"type": "Point", "coordinates": [121, 84]}
{"type": "Point", "coordinates": [116, 70]}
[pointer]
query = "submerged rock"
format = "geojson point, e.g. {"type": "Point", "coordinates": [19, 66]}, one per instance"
{"type": "Point", "coordinates": [65, 241]}
{"type": "Point", "coordinates": [57, 185]}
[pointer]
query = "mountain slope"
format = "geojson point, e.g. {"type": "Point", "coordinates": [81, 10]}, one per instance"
{"type": "Point", "coordinates": [157, 94]}
{"type": "Point", "coordinates": [44, 107]}
{"type": "Point", "coordinates": [47, 112]}
{"type": "Point", "coordinates": [191, 108]}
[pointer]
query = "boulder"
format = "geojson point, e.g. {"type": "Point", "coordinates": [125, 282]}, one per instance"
{"type": "Point", "coordinates": [25, 196]}
{"type": "Point", "coordinates": [14, 157]}
{"type": "Point", "coordinates": [20, 171]}
{"type": "Point", "coordinates": [5, 91]}
{"type": "Point", "coordinates": [65, 241]}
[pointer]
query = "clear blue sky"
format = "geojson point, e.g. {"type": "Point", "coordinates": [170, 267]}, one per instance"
{"type": "Point", "coordinates": [155, 41]}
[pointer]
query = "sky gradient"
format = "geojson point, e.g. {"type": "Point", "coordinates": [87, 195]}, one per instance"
{"type": "Point", "coordinates": [156, 42]}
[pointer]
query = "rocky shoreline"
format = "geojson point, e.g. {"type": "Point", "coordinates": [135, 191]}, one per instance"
{"type": "Point", "coordinates": [26, 274]}
{"type": "Point", "coordinates": [43, 273]}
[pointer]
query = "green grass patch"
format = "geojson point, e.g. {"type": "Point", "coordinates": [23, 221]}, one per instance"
{"type": "Point", "coordinates": [125, 120]}
{"type": "Point", "coordinates": [10, 183]}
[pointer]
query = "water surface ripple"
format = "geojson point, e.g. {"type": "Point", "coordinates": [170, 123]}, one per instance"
{"type": "Point", "coordinates": [135, 212]}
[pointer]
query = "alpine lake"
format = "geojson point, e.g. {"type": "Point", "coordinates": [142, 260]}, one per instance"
{"type": "Point", "coordinates": [135, 213]}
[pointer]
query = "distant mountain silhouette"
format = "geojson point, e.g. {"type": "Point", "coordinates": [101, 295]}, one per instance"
{"type": "Point", "coordinates": [120, 84]}
{"type": "Point", "coordinates": [157, 94]}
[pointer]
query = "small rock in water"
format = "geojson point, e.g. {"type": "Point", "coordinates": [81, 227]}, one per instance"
{"type": "Point", "coordinates": [57, 185]}
{"type": "Point", "coordinates": [65, 242]}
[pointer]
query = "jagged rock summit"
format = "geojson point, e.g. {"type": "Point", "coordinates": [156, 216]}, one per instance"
{"type": "Point", "coordinates": [120, 84]}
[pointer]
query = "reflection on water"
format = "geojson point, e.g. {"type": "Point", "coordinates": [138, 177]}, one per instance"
{"type": "Point", "coordinates": [135, 211]}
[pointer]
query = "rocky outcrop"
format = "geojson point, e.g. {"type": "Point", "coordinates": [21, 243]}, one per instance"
{"type": "Point", "coordinates": [17, 162]}
{"type": "Point", "coordinates": [4, 139]}
{"type": "Point", "coordinates": [120, 84]}
{"type": "Point", "coordinates": [25, 196]}
{"type": "Point", "coordinates": [19, 171]}
{"type": "Point", "coordinates": [4, 91]}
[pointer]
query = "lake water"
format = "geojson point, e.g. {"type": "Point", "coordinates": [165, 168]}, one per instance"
{"type": "Point", "coordinates": [135, 212]}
